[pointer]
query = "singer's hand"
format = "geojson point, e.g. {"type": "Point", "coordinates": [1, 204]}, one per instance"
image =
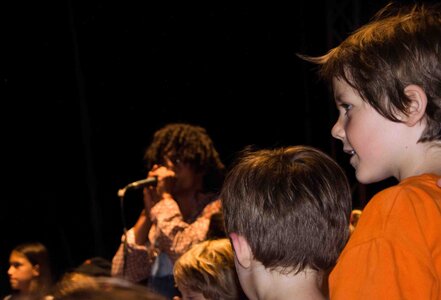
{"type": "Point", "coordinates": [166, 179]}
{"type": "Point", "coordinates": [164, 187]}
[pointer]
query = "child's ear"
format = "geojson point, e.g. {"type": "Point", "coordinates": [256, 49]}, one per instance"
{"type": "Point", "coordinates": [36, 270]}
{"type": "Point", "coordinates": [242, 250]}
{"type": "Point", "coordinates": [418, 103]}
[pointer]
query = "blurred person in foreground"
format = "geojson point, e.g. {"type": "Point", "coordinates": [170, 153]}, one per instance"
{"type": "Point", "coordinates": [206, 271]}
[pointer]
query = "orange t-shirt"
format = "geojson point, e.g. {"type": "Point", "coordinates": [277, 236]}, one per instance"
{"type": "Point", "coordinates": [395, 250]}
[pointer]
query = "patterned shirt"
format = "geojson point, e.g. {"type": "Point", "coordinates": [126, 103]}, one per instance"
{"type": "Point", "coordinates": [169, 234]}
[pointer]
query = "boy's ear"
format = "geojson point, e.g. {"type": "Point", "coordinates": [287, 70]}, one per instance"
{"type": "Point", "coordinates": [418, 103]}
{"type": "Point", "coordinates": [242, 250]}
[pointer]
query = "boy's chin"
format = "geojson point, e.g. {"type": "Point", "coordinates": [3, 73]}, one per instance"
{"type": "Point", "coordinates": [367, 178]}
{"type": "Point", "coordinates": [363, 178]}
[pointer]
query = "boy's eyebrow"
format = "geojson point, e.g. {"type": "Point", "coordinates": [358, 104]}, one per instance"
{"type": "Point", "coordinates": [337, 97]}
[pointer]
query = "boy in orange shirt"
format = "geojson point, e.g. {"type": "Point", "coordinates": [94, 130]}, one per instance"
{"type": "Point", "coordinates": [386, 81]}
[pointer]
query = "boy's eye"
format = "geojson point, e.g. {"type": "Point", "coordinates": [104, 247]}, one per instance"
{"type": "Point", "coordinates": [346, 107]}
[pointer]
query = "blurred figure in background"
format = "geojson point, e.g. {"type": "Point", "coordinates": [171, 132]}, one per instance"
{"type": "Point", "coordinates": [29, 272]}
{"type": "Point", "coordinates": [177, 210]}
{"type": "Point", "coordinates": [95, 266]}
{"type": "Point", "coordinates": [83, 276]}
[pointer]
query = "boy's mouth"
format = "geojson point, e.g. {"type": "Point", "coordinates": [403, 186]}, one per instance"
{"type": "Point", "coordinates": [349, 151]}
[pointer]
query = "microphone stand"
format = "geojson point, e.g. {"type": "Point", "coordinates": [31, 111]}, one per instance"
{"type": "Point", "coordinates": [121, 194]}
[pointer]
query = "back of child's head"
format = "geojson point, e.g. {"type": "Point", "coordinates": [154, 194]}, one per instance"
{"type": "Point", "coordinates": [94, 266]}
{"type": "Point", "coordinates": [71, 282]}
{"type": "Point", "coordinates": [208, 268]}
{"type": "Point", "coordinates": [399, 47]}
{"type": "Point", "coordinates": [291, 204]}
{"type": "Point", "coordinates": [79, 286]}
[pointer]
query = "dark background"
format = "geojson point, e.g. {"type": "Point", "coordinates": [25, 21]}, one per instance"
{"type": "Point", "coordinates": [86, 83]}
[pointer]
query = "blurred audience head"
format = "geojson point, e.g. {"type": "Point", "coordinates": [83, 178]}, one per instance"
{"type": "Point", "coordinates": [207, 271]}
{"type": "Point", "coordinates": [78, 286]}
{"type": "Point", "coordinates": [30, 270]}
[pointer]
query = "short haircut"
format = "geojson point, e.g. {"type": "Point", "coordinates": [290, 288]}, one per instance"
{"type": "Point", "coordinates": [399, 47]}
{"type": "Point", "coordinates": [291, 204]}
{"type": "Point", "coordinates": [190, 144]}
{"type": "Point", "coordinates": [208, 268]}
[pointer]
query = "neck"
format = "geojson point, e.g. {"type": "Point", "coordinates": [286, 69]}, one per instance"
{"type": "Point", "coordinates": [427, 160]}
{"type": "Point", "coordinates": [28, 289]}
{"type": "Point", "coordinates": [275, 285]}
{"type": "Point", "coordinates": [190, 202]}
{"type": "Point", "coordinates": [189, 198]}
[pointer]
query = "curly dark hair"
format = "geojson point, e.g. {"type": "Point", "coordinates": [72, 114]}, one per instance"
{"type": "Point", "coordinates": [190, 144]}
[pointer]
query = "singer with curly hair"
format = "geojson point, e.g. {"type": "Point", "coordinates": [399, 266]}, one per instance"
{"type": "Point", "coordinates": [177, 210]}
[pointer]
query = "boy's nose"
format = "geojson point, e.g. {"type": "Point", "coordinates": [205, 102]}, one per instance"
{"type": "Point", "coordinates": [338, 131]}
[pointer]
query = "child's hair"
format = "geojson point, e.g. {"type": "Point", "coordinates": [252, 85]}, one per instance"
{"type": "Point", "coordinates": [94, 266]}
{"type": "Point", "coordinates": [401, 46]}
{"type": "Point", "coordinates": [78, 286]}
{"type": "Point", "coordinates": [190, 144]}
{"type": "Point", "coordinates": [291, 204]}
{"type": "Point", "coordinates": [72, 282]}
{"type": "Point", "coordinates": [37, 254]}
{"type": "Point", "coordinates": [208, 268]}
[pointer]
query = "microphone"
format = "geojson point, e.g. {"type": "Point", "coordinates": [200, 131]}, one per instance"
{"type": "Point", "coordinates": [138, 185]}
{"type": "Point", "coordinates": [142, 183]}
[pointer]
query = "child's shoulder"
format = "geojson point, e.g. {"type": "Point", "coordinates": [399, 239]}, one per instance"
{"type": "Point", "coordinates": [419, 188]}
{"type": "Point", "coordinates": [416, 191]}
{"type": "Point", "coordinates": [413, 203]}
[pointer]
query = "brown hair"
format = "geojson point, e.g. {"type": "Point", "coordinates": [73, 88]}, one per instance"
{"type": "Point", "coordinates": [37, 254]}
{"type": "Point", "coordinates": [208, 268]}
{"type": "Point", "coordinates": [291, 204]}
{"type": "Point", "coordinates": [77, 286]}
{"type": "Point", "coordinates": [399, 47]}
